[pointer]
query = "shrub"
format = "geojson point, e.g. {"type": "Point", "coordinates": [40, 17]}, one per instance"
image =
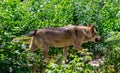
{"type": "Point", "coordinates": [77, 63]}
{"type": "Point", "coordinates": [112, 57]}
{"type": "Point", "coordinates": [18, 18]}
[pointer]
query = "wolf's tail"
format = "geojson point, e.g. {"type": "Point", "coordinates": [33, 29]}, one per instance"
{"type": "Point", "coordinates": [26, 37]}
{"type": "Point", "coordinates": [32, 33]}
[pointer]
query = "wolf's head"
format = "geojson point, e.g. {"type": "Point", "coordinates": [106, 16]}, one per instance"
{"type": "Point", "coordinates": [90, 34]}
{"type": "Point", "coordinates": [94, 36]}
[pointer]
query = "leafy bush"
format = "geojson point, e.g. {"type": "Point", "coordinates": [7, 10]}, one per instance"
{"type": "Point", "coordinates": [18, 18]}
{"type": "Point", "coordinates": [77, 63]}
{"type": "Point", "coordinates": [112, 57]}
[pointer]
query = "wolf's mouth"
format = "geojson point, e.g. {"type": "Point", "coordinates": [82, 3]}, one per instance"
{"type": "Point", "coordinates": [97, 39]}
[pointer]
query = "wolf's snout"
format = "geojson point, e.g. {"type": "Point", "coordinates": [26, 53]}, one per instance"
{"type": "Point", "coordinates": [97, 39]}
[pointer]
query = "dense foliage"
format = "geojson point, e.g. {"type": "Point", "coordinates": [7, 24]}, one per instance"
{"type": "Point", "coordinates": [18, 18]}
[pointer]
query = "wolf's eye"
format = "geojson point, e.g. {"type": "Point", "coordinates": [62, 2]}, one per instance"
{"type": "Point", "coordinates": [86, 31]}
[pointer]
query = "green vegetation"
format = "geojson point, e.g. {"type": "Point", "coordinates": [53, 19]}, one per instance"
{"type": "Point", "coordinates": [18, 18]}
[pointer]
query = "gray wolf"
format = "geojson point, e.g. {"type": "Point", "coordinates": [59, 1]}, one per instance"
{"type": "Point", "coordinates": [61, 37]}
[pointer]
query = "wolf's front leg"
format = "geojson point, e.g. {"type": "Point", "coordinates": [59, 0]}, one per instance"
{"type": "Point", "coordinates": [77, 45]}
{"type": "Point", "coordinates": [45, 53]}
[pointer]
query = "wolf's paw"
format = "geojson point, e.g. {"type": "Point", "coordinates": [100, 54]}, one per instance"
{"type": "Point", "coordinates": [64, 61]}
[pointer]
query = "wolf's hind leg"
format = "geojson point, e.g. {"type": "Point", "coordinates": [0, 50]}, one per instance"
{"type": "Point", "coordinates": [65, 54]}
{"type": "Point", "coordinates": [45, 52]}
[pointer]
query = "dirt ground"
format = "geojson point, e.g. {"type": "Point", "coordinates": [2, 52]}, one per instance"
{"type": "Point", "coordinates": [96, 62]}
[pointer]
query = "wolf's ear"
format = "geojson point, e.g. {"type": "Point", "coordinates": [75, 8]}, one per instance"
{"type": "Point", "coordinates": [92, 28]}
{"type": "Point", "coordinates": [89, 25]}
